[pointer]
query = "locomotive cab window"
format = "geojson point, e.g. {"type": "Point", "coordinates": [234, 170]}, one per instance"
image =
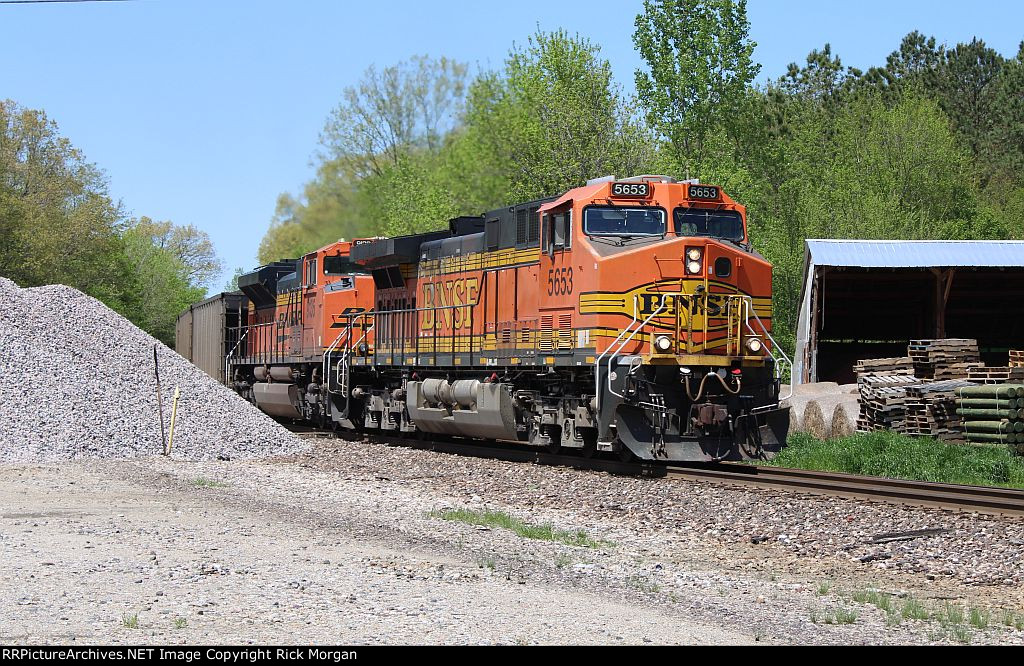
{"type": "Point", "coordinates": [310, 273]}
{"type": "Point", "coordinates": [558, 230]}
{"type": "Point", "coordinates": [623, 222]}
{"type": "Point", "coordinates": [725, 224]}
{"type": "Point", "coordinates": [339, 265]}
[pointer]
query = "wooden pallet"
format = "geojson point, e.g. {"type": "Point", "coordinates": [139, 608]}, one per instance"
{"type": "Point", "coordinates": [943, 359]}
{"type": "Point", "coordinates": [884, 366]}
{"type": "Point", "coordinates": [1016, 358]}
{"type": "Point", "coordinates": [882, 400]}
{"type": "Point", "coordinates": [931, 410]}
{"type": "Point", "coordinates": [997, 375]}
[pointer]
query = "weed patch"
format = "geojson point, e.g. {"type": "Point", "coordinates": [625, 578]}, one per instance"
{"type": "Point", "coordinates": [892, 455]}
{"type": "Point", "coordinates": [519, 527]}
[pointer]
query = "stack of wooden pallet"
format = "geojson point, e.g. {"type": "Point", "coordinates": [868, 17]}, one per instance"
{"type": "Point", "coordinates": [901, 365]}
{"type": "Point", "coordinates": [1016, 358]}
{"type": "Point", "coordinates": [992, 414]}
{"type": "Point", "coordinates": [883, 401]}
{"type": "Point", "coordinates": [949, 358]}
{"type": "Point", "coordinates": [931, 410]}
{"type": "Point", "coordinates": [997, 375]}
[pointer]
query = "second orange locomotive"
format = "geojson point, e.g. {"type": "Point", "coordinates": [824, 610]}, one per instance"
{"type": "Point", "coordinates": [626, 316]}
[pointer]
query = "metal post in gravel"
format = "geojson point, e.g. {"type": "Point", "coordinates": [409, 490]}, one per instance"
{"type": "Point", "coordinates": [159, 402]}
{"type": "Point", "coordinates": [174, 414]}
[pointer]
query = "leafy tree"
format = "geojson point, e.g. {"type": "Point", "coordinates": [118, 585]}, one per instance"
{"type": "Point", "coordinates": [161, 286]}
{"type": "Point", "coordinates": [189, 245]}
{"type": "Point", "coordinates": [552, 119]}
{"type": "Point", "coordinates": [412, 104]}
{"type": "Point", "coordinates": [58, 223]}
{"type": "Point", "coordinates": [700, 64]}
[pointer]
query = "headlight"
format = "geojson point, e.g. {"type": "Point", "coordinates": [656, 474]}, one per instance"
{"type": "Point", "coordinates": [754, 345]}
{"type": "Point", "coordinates": [663, 343]}
{"type": "Point", "coordinates": [693, 254]}
{"type": "Point", "coordinates": [693, 267]}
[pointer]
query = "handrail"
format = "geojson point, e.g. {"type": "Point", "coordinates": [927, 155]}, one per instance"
{"type": "Point", "coordinates": [227, 358]}
{"type": "Point", "coordinates": [630, 338]}
{"type": "Point", "coordinates": [330, 348]}
{"type": "Point", "coordinates": [775, 350]}
{"type": "Point", "coordinates": [597, 363]}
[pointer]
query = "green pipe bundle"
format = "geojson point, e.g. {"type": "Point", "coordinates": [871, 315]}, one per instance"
{"type": "Point", "coordinates": [995, 437]}
{"type": "Point", "coordinates": [993, 426]}
{"type": "Point", "coordinates": [991, 403]}
{"type": "Point", "coordinates": [991, 391]}
{"type": "Point", "coordinates": [988, 414]}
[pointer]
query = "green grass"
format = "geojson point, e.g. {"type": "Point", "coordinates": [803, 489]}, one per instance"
{"type": "Point", "coordinates": [841, 616]}
{"type": "Point", "coordinates": [523, 529]}
{"type": "Point", "coordinates": [892, 455]}
{"type": "Point", "coordinates": [881, 600]}
{"type": "Point", "coordinates": [208, 483]}
{"type": "Point", "coordinates": [980, 618]}
{"type": "Point", "coordinates": [823, 589]}
{"type": "Point", "coordinates": [180, 623]}
{"type": "Point", "coordinates": [1015, 620]}
{"type": "Point", "coordinates": [914, 610]}
{"type": "Point", "coordinates": [130, 621]}
{"type": "Point", "coordinates": [960, 634]}
{"type": "Point", "coordinates": [950, 615]}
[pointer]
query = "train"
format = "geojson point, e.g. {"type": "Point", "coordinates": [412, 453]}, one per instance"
{"type": "Point", "coordinates": [628, 318]}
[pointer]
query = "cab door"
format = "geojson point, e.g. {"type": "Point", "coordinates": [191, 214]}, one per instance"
{"type": "Point", "coordinates": [310, 307]}
{"type": "Point", "coordinates": [558, 282]}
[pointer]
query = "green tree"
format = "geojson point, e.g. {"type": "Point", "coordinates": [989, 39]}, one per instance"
{"type": "Point", "coordinates": [552, 119]}
{"type": "Point", "coordinates": [58, 224]}
{"type": "Point", "coordinates": [699, 67]}
{"type": "Point", "coordinates": [189, 245]}
{"type": "Point", "coordinates": [412, 104]}
{"type": "Point", "coordinates": [161, 286]}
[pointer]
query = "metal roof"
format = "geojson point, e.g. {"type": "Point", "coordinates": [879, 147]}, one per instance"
{"type": "Point", "coordinates": [915, 253]}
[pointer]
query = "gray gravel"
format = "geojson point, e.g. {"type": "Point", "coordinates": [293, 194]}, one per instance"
{"type": "Point", "coordinates": [76, 381]}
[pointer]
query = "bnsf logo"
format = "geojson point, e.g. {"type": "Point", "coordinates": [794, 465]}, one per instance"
{"type": "Point", "coordinates": [453, 300]}
{"type": "Point", "coordinates": [649, 303]}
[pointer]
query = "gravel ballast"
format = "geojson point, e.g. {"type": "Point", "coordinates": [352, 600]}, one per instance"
{"type": "Point", "coordinates": [77, 381]}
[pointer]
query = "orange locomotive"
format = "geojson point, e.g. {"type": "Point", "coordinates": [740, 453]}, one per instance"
{"type": "Point", "coordinates": [628, 316]}
{"type": "Point", "coordinates": [300, 308]}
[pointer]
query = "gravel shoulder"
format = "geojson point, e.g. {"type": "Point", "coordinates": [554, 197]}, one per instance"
{"type": "Point", "coordinates": [92, 551]}
{"type": "Point", "coordinates": [344, 545]}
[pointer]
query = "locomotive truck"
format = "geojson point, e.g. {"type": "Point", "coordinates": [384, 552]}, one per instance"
{"type": "Point", "coordinates": [630, 317]}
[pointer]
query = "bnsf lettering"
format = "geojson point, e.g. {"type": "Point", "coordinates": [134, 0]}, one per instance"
{"type": "Point", "coordinates": [450, 302]}
{"type": "Point", "coordinates": [649, 303]}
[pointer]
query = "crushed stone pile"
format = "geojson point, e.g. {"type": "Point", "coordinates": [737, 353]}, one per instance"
{"type": "Point", "coordinates": [76, 381]}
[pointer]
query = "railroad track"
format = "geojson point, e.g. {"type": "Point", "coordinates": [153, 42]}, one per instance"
{"type": "Point", "coordinates": [974, 499]}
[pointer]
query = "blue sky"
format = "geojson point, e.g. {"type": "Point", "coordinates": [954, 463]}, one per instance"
{"type": "Point", "coordinates": [203, 112]}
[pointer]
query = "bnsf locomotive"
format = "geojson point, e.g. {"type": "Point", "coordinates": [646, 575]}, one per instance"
{"type": "Point", "coordinates": [626, 316]}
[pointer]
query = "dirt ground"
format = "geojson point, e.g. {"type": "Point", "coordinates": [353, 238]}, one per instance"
{"type": "Point", "coordinates": [164, 551]}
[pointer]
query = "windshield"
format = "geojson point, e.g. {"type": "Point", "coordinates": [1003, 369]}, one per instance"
{"type": "Point", "coordinates": [623, 221]}
{"type": "Point", "coordinates": [708, 222]}
{"type": "Point", "coordinates": [340, 265]}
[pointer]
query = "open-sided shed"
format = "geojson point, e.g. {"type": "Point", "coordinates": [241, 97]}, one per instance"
{"type": "Point", "coordinates": [869, 298]}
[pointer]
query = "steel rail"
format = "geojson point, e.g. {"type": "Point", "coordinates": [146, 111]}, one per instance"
{"type": "Point", "coordinates": [959, 498]}
{"type": "Point", "coordinates": [980, 499]}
